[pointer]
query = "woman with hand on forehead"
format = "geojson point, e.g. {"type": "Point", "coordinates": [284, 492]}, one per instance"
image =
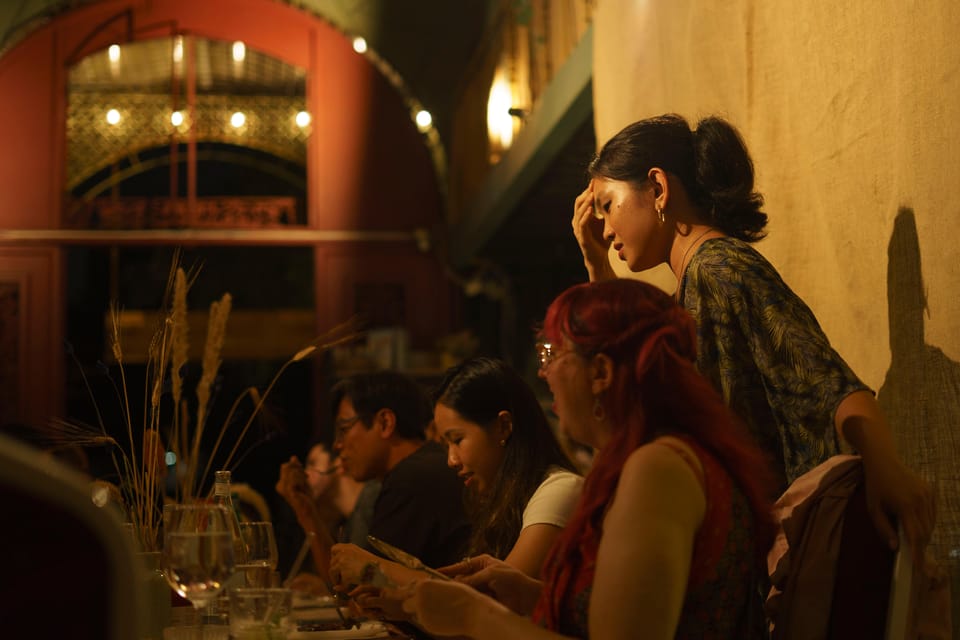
{"type": "Point", "coordinates": [672, 527]}
{"type": "Point", "coordinates": [521, 487]}
{"type": "Point", "coordinates": [663, 193]}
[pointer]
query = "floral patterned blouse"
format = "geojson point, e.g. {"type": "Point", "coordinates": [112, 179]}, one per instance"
{"type": "Point", "coordinates": [762, 347]}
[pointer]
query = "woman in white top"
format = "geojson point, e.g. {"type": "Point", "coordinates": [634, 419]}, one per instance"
{"type": "Point", "coordinates": [521, 486]}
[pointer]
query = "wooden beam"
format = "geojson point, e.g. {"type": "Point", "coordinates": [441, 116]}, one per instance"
{"type": "Point", "coordinates": [206, 236]}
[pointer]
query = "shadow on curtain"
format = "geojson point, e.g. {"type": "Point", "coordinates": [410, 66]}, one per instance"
{"type": "Point", "coordinates": [921, 395]}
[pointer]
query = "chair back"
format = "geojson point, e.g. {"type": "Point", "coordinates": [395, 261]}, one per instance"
{"type": "Point", "coordinates": [70, 570]}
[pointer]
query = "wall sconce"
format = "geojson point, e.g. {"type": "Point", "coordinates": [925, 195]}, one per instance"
{"type": "Point", "coordinates": [500, 125]}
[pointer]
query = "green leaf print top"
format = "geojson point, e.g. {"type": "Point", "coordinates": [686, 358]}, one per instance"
{"type": "Point", "coordinates": [762, 348]}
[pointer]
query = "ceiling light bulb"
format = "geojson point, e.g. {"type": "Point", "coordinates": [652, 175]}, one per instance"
{"type": "Point", "coordinates": [176, 118]}
{"type": "Point", "coordinates": [499, 121]}
{"type": "Point", "coordinates": [237, 119]}
{"type": "Point", "coordinates": [239, 51]}
{"type": "Point", "coordinates": [359, 45]}
{"type": "Point", "coordinates": [303, 119]}
{"type": "Point", "coordinates": [114, 52]}
{"type": "Point", "coordinates": [178, 49]}
{"type": "Point", "coordinates": [424, 120]}
{"type": "Point", "coordinates": [113, 116]}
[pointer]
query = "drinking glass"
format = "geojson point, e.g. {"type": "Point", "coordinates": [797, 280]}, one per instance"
{"type": "Point", "coordinates": [262, 555]}
{"type": "Point", "coordinates": [261, 614]}
{"type": "Point", "coordinates": [197, 556]}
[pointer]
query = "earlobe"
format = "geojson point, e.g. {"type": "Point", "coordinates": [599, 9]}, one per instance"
{"type": "Point", "coordinates": [602, 373]}
{"type": "Point", "coordinates": [504, 425]}
{"type": "Point", "coordinates": [661, 186]}
{"type": "Point", "coordinates": [386, 422]}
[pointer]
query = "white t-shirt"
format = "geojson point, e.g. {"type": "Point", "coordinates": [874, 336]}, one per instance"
{"type": "Point", "coordinates": [554, 500]}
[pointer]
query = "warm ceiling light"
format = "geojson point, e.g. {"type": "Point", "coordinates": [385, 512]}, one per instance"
{"type": "Point", "coordinates": [303, 119]}
{"type": "Point", "coordinates": [237, 119]}
{"type": "Point", "coordinates": [113, 116]}
{"type": "Point", "coordinates": [424, 120]}
{"type": "Point", "coordinates": [499, 120]}
{"type": "Point", "coordinates": [176, 118]}
{"type": "Point", "coordinates": [114, 52]}
{"type": "Point", "coordinates": [359, 45]}
{"type": "Point", "coordinates": [178, 49]}
{"type": "Point", "coordinates": [239, 51]}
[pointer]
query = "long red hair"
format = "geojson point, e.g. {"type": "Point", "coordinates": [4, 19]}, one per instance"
{"type": "Point", "coordinates": [657, 390]}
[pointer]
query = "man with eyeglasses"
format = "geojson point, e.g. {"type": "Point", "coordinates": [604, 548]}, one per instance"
{"type": "Point", "coordinates": [379, 428]}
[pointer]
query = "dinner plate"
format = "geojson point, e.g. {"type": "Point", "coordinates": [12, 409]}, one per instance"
{"type": "Point", "coordinates": [363, 631]}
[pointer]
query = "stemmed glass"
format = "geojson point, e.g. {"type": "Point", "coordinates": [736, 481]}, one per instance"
{"type": "Point", "coordinates": [197, 556]}
{"type": "Point", "coordinates": [262, 554]}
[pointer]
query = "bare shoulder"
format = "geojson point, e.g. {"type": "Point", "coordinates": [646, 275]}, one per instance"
{"type": "Point", "coordinates": [666, 456]}
{"type": "Point", "coordinates": [662, 477]}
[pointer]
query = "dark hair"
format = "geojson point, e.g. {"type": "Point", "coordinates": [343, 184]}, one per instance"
{"type": "Point", "coordinates": [657, 390]}
{"type": "Point", "coordinates": [370, 392]}
{"type": "Point", "coordinates": [712, 163]}
{"type": "Point", "coordinates": [479, 389]}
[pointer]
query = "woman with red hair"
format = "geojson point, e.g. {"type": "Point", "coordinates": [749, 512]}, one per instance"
{"type": "Point", "coordinates": [669, 535]}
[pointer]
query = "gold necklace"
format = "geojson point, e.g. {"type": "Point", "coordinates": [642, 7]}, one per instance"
{"type": "Point", "coordinates": [683, 260]}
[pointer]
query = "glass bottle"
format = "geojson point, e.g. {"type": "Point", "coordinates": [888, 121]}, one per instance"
{"type": "Point", "coordinates": [223, 496]}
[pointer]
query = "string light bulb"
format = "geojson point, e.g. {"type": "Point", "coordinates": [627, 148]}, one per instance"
{"type": "Point", "coordinates": [424, 120]}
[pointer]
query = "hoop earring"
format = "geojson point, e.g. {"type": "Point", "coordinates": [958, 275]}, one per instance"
{"type": "Point", "coordinates": [598, 411]}
{"type": "Point", "coordinates": [661, 216]}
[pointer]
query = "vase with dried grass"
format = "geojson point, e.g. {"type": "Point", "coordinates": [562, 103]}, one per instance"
{"type": "Point", "coordinates": [138, 454]}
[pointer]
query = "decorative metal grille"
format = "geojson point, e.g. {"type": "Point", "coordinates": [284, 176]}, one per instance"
{"type": "Point", "coordinates": [145, 84]}
{"type": "Point", "coordinates": [93, 143]}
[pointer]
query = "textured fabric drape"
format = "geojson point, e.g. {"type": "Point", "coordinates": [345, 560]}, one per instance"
{"type": "Point", "coordinates": [851, 113]}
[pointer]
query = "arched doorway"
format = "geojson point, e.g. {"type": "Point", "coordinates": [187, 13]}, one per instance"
{"type": "Point", "coordinates": [370, 185]}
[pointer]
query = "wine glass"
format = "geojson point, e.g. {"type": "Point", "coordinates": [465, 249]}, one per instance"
{"type": "Point", "coordinates": [262, 555]}
{"type": "Point", "coordinates": [197, 556]}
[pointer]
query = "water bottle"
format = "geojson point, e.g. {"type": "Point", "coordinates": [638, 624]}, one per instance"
{"type": "Point", "coordinates": [217, 611]}
{"type": "Point", "coordinates": [223, 496]}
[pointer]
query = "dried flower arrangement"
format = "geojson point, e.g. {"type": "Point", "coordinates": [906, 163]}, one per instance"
{"type": "Point", "coordinates": [141, 477]}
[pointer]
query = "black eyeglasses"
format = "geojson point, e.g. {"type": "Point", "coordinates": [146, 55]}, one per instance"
{"type": "Point", "coordinates": [342, 426]}
{"type": "Point", "coordinates": [545, 354]}
{"type": "Point", "coordinates": [323, 472]}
